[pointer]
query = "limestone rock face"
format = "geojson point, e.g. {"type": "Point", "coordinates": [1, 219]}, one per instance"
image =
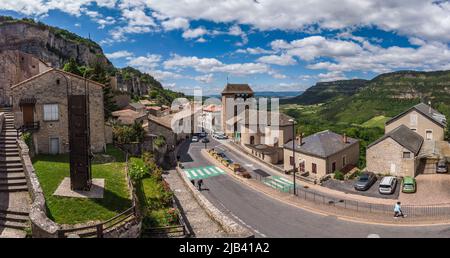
{"type": "Point", "coordinates": [51, 45]}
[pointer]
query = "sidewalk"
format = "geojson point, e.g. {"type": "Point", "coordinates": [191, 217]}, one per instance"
{"type": "Point", "coordinates": [202, 225]}
{"type": "Point", "coordinates": [365, 214]}
{"type": "Point", "coordinates": [319, 189]}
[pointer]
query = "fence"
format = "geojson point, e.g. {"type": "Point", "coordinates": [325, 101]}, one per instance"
{"type": "Point", "coordinates": [342, 206]}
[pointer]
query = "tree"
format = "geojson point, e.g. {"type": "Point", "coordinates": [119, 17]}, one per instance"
{"type": "Point", "coordinates": [72, 67]}
{"type": "Point", "coordinates": [99, 74]}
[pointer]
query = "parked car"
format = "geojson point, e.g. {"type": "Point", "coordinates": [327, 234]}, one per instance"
{"type": "Point", "coordinates": [442, 166]}
{"type": "Point", "coordinates": [194, 139]}
{"type": "Point", "coordinates": [387, 185]}
{"type": "Point", "coordinates": [365, 181]}
{"type": "Point", "coordinates": [205, 140]}
{"type": "Point", "coordinates": [219, 136]}
{"type": "Point", "coordinates": [202, 134]}
{"type": "Point", "coordinates": [409, 185]}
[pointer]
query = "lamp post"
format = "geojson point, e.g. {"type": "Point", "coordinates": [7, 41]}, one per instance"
{"type": "Point", "coordinates": [203, 129]}
{"type": "Point", "coordinates": [293, 154]}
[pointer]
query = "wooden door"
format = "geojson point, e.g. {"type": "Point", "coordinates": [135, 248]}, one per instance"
{"type": "Point", "coordinates": [28, 117]}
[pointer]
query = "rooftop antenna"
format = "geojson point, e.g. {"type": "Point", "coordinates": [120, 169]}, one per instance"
{"type": "Point", "coordinates": [227, 79]}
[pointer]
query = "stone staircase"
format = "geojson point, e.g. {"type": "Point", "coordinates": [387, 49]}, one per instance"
{"type": "Point", "coordinates": [13, 183]}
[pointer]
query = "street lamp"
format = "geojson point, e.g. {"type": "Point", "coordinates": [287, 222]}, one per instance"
{"type": "Point", "coordinates": [203, 129]}
{"type": "Point", "coordinates": [293, 153]}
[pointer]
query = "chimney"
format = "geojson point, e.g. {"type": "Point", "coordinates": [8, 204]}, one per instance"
{"type": "Point", "coordinates": [344, 138]}
{"type": "Point", "coordinates": [429, 104]}
{"type": "Point", "coordinates": [299, 139]}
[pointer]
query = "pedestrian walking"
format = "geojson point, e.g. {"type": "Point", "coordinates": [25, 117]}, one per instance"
{"type": "Point", "coordinates": [193, 182]}
{"type": "Point", "coordinates": [398, 211]}
{"type": "Point", "coordinates": [200, 183]}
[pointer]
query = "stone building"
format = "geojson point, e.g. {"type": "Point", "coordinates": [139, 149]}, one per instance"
{"type": "Point", "coordinates": [413, 143]}
{"type": "Point", "coordinates": [233, 91]}
{"type": "Point", "coordinates": [16, 66]}
{"type": "Point", "coordinates": [321, 154]}
{"type": "Point", "coordinates": [423, 119]}
{"type": "Point", "coordinates": [128, 116]}
{"type": "Point", "coordinates": [40, 102]}
{"type": "Point", "coordinates": [396, 153]}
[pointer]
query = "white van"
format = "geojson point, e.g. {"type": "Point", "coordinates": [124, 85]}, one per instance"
{"type": "Point", "coordinates": [387, 185]}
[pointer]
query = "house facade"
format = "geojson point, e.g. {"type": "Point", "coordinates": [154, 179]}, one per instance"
{"type": "Point", "coordinates": [41, 101]}
{"type": "Point", "coordinates": [321, 153]}
{"type": "Point", "coordinates": [396, 153]}
{"type": "Point", "coordinates": [15, 67]}
{"type": "Point", "coordinates": [422, 119]}
{"type": "Point", "coordinates": [413, 143]}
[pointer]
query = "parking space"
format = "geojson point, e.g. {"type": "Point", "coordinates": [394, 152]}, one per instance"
{"type": "Point", "coordinates": [347, 187]}
{"type": "Point", "coordinates": [432, 189]}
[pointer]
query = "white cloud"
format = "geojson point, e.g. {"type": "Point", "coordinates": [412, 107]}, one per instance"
{"type": "Point", "coordinates": [119, 54]}
{"type": "Point", "coordinates": [194, 33]}
{"type": "Point", "coordinates": [145, 63]}
{"type": "Point", "coordinates": [331, 76]}
{"type": "Point", "coordinates": [138, 17]}
{"type": "Point", "coordinates": [175, 23]}
{"type": "Point", "coordinates": [255, 51]}
{"type": "Point", "coordinates": [207, 78]}
{"type": "Point", "coordinates": [277, 60]}
{"type": "Point", "coordinates": [212, 65]}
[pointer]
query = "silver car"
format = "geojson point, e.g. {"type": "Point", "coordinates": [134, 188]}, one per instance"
{"type": "Point", "coordinates": [442, 166]}
{"type": "Point", "coordinates": [387, 185]}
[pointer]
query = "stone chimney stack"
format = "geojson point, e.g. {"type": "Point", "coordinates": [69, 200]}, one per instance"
{"type": "Point", "coordinates": [299, 139]}
{"type": "Point", "coordinates": [344, 138]}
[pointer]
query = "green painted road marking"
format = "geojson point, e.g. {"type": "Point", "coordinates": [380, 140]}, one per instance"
{"type": "Point", "coordinates": [279, 183]}
{"type": "Point", "coordinates": [203, 172]}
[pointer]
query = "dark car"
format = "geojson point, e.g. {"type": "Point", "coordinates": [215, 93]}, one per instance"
{"type": "Point", "coordinates": [205, 140]}
{"type": "Point", "coordinates": [365, 181]}
{"type": "Point", "coordinates": [442, 166]}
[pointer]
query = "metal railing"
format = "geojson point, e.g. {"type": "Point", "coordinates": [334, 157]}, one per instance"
{"type": "Point", "coordinates": [343, 206]}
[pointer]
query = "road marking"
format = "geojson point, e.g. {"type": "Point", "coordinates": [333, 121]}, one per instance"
{"type": "Point", "coordinates": [278, 183]}
{"type": "Point", "coordinates": [202, 172]}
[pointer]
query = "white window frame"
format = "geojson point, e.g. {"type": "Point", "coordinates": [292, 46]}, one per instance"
{"type": "Point", "coordinates": [426, 134]}
{"type": "Point", "coordinates": [51, 112]}
{"type": "Point", "coordinates": [413, 119]}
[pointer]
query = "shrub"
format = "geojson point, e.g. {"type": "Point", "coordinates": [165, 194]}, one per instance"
{"type": "Point", "coordinates": [138, 170]}
{"type": "Point", "coordinates": [159, 141]}
{"type": "Point", "coordinates": [355, 174]}
{"type": "Point", "coordinates": [338, 175]}
{"type": "Point", "coordinates": [28, 139]}
{"type": "Point", "coordinates": [122, 134]}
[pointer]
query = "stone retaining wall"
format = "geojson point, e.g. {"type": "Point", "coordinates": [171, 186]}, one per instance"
{"type": "Point", "coordinates": [228, 225]}
{"type": "Point", "coordinates": [2, 119]}
{"type": "Point", "coordinates": [41, 225]}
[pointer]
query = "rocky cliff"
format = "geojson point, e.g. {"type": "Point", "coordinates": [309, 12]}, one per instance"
{"type": "Point", "coordinates": [50, 44]}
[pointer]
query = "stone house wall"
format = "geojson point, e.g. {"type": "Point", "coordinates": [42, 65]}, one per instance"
{"type": "Point", "coordinates": [51, 88]}
{"type": "Point", "coordinates": [421, 126]}
{"type": "Point", "coordinates": [386, 157]}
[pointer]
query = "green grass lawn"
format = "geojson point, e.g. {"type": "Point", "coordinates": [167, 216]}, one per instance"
{"type": "Point", "coordinates": [377, 121]}
{"type": "Point", "coordinates": [51, 170]}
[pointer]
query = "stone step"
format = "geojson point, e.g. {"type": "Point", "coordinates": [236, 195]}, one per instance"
{"type": "Point", "coordinates": [13, 182]}
{"type": "Point", "coordinates": [12, 175]}
{"type": "Point", "coordinates": [9, 153]}
{"type": "Point", "coordinates": [10, 159]}
{"type": "Point", "coordinates": [14, 217]}
{"type": "Point", "coordinates": [12, 224]}
{"type": "Point", "coordinates": [8, 147]}
{"type": "Point", "coordinates": [11, 170]}
{"type": "Point", "coordinates": [11, 165]}
{"type": "Point", "coordinates": [10, 189]}
{"type": "Point", "coordinates": [15, 212]}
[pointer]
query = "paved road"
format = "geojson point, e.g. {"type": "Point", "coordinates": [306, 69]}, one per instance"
{"type": "Point", "coordinates": [267, 217]}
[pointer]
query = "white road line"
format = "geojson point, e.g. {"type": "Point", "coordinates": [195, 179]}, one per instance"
{"type": "Point", "coordinates": [200, 172]}
{"type": "Point", "coordinates": [193, 173]}
{"type": "Point", "coordinates": [206, 170]}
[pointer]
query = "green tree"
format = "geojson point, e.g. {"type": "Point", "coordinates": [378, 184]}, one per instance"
{"type": "Point", "coordinates": [72, 67]}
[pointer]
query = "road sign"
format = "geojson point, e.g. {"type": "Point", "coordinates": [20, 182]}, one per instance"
{"type": "Point", "coordinates": [203, 172]}
{"type": "Point", "coordinates": [279, 183]}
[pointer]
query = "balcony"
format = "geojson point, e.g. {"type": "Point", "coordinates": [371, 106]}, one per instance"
{"type": "Point", "coordinates": [30, 127]}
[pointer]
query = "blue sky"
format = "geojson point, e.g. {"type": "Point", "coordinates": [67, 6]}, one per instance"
{"type": "Point", "coordinates": [282, 45]}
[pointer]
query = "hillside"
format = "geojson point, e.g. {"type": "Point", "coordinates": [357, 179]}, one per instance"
{"type": "Point", "coordinates": [58, 46]}
{"type": "Point", "coordinates": [391, 93]}
{"type": "Point", "coordinates": [325, 91]}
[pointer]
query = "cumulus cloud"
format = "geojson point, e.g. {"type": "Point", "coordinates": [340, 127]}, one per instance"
{"type": "Point", "coordinates": [255, 51]}
{"type": "Point", "coordinates": [119, 54]}
{"type": "Point", "coordinates": [175, 23]}
{"type": "Point", "coordinates": [146, 63]}
{"type": "Point", "coordinates": [278, 59]}
{"type": "Point", "coordinates": [212, 65]}
{"type": "Point", "coordinates": [194, 33]}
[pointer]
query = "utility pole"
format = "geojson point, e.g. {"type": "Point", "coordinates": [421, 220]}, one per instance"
{"type": "Point", "coordinates": [293, 154]}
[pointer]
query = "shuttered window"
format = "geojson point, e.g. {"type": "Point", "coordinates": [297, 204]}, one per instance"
{"type": "Point", "coordinates": [51, 112]}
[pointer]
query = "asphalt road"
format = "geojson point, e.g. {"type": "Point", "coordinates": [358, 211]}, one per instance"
{"type": "Point", "coordinates": [267, 217]}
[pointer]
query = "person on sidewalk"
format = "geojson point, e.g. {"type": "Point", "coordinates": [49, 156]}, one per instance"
{"type": "Point", "coordinates": [398, 211]}
{"type": "Point", "coordinates": [193, 182]}
{"type": "Point", "coordinates": [200, 183]}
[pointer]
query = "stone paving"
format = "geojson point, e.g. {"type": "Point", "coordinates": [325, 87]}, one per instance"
{"type": "Point", "coordinates": [202, 225]}
{"type": "Point", "coordinates": [432, 189]}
